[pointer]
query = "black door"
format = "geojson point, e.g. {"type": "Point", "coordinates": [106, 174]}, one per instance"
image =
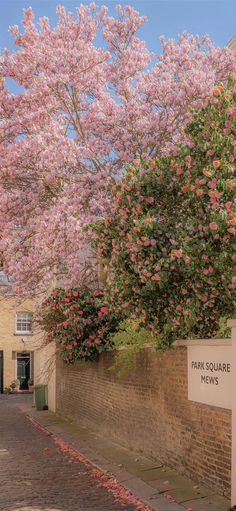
{"type": "Point", "coordinates": [23, 369]}
{"type": "Point", "coordinates": [1, 372]}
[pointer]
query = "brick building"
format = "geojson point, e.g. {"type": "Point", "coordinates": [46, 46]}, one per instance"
{"type": "Point", "coordinates": [18, 337]}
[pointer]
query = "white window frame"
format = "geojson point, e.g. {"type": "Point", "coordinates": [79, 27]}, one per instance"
{"type": "Point", "coordinates": [26, 320]}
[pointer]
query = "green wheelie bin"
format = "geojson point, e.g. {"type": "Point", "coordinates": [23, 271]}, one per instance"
{"type": "Point", "coordinates": [40, 392]}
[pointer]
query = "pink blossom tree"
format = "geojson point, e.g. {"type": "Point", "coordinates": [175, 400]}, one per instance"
{"type": "Point", "coordinates": [82, 113]}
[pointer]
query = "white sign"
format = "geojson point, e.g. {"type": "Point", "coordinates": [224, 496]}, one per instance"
{"type": "Point", "coordinates": [212, 381]}
{"type": "Point", "coordinates": [210, 375]}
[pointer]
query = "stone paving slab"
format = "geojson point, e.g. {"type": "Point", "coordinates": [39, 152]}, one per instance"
{"type": "Point", "coordinates": [130, 468]}
{"type": "Point", "coordinates": [141, 488]}
{"type": "Point", "coordinates": [163, 504]}
{"type": "Point", "coordinates": [157, 473]}
{"type": "Point", "coordinates": [181, 492]}
{"type": "Point", "coordinates": [163, 485]}
{"type": "Point", "coordinates": [216, 503]}
{"type": "Point", "coordinates": [122, 475]}
{"type": "Point", "coordinates": [155, 500]}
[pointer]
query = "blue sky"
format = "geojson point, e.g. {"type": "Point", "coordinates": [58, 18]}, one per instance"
{"type": "Point", "coordinates": [169, 17]}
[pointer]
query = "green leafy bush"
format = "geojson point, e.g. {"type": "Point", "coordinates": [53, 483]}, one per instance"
{"type": "Point", "coordinates": [15, 383]}
{"type": "Point", "coordinates": [129, 339]}
{"type": "Point", "coordinates": [171, 236]}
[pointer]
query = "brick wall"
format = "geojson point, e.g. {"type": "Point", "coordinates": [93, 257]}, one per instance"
{"type": "Point", "coordinates": [148, 411]}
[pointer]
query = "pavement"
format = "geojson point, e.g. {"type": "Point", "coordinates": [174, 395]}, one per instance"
{"type": "Point", "coordinates": [155, 486]}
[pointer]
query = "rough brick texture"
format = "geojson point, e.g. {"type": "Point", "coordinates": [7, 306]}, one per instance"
{"type": "Point", "coordinates": [148, 410]}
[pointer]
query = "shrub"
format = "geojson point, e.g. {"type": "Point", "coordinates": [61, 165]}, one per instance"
{"type": "Point", "coordinates": [79, 321]}
{"type": "Point", "coordinates": [129, 339]}
{"type": "Point", "coordinates": [15, 383]}
{"type": "Point", "coordinates": [171, 236]}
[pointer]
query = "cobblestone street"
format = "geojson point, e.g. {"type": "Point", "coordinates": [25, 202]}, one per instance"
{"type": "Point", "coordinates": [36, 476]}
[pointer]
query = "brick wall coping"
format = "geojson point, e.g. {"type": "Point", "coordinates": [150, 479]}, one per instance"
{"type": "Point", "coordinates": [190, 342]}
{"type": "Point", "coordinates": [231, 323]}
{"type": "Point", "coordinates": [202, 342]}
{"type": "Point", "coordinates": [147, 345]}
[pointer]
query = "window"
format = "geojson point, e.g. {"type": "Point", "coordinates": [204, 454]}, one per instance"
{"type": "Point", "coordinates": [24, 322]}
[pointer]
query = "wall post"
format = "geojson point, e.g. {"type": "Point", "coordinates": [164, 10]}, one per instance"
{"type": "Point", "coordinates": [232, 323]}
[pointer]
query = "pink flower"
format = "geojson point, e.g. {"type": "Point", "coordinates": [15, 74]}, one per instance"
{"type": "Point", "coordinates": [206, 172]}
{"type": "Point", "coordinates": [175, 322]}
{"type": "Point", "coordinates": [229, 184]}
{"type": "Point", "coordinates": [69, 347]}
{"type": "Point", "coordinates": [186, 312]}
{"type": "Point", "coordinates": [217, 91]}
{"type": "Point", "coordinates": [75, 293]}
{"type": "Point", "coordinates": [187, 259]}
{"type": "Point", "coordinates": [157, 278]}
{"type": "Point", "coordinates": [199, 192]}
{"type": "Point", "coordinates": [216, 164]}
{"type": "Point", "coordinates": [231, 111]}
{"type": "Point", "coordinates": [177, 253]}
{"type": "Point", "coordinates": [213, 226]}
{"type": "Point", "coordinates": [179, 171]}
{"type": "Point", "coordinates": [212, 183]}
{"type": "Point", "coordinates": [96, 292]}
{"type": "Point", "coordinates": [149, 200]}
{"type": "Point", "coordinates": [234, 280]}
{"type": "Point", "coordinates": [104, 310]}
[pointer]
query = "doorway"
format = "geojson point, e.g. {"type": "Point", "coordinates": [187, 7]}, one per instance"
{"type": "Point", "coordinates": [1, 372]}
{"type": "Point", "coordinates": [23, 369]}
